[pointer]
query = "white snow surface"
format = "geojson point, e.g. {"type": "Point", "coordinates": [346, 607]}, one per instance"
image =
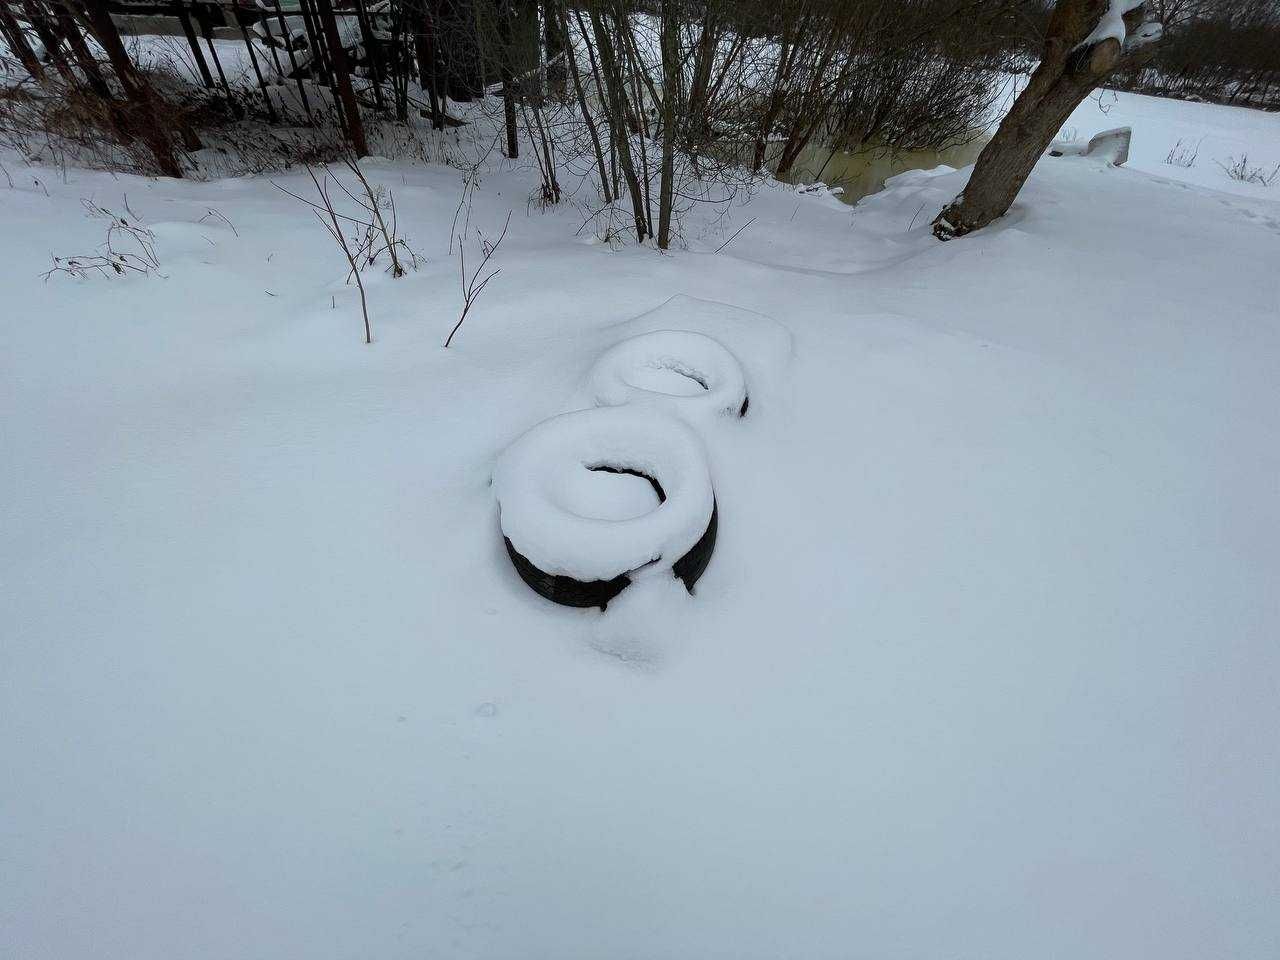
{"type": "Point", "coordinates": [689, 373]}
{"type": "Point", "coordinates": [1111, 24]}
{"type": "Point", "coordinates": [984, 665]}
{"type": "Point", "coordinates": [538, 482]}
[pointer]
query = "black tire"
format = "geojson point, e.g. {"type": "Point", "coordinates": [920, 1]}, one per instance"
{"type": "Point", "coordinates": [597, 593]}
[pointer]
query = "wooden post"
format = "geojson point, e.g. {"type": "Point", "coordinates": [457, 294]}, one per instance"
{"type": "Point", "coordinates": [293, 60]}
{"type": "Point", "coordinates": [188, 31]}
{"type": "Point", "coordinates": [506, 50]}
{"type": "Point", "coordinates": [80, 51]}
{"type": "Point", "coordinates": [342, 75]}
{"type": "Point", "coordinates": [207, 30]}
{"type": "Point", "coordinates": [371, 50]}
{"type": "Point", "coordinates": [253, 58]}
{"type": "Point", "coordinates": [428, 73]}
{"type": "Point", "coordinates": [40, 24]}
{"type": "Point", "coordinates": [266, 28]}
{"type": "Point", "coordinates": [11, 30]}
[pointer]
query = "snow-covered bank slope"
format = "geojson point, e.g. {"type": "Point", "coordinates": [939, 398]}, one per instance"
{"type": "Point", "coordinates": [984, 665]}
{"type": "Point", "coordinates": [1215, 136]}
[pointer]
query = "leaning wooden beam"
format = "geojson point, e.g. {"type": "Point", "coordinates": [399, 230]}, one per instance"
{"type": "Point", "coordinates": [11, 31]}
{"type": "Point", "coordinates": [257, 72]}
{"type": "Point", "coordinates": [145, 121]}
{"type": "Point", "coordinates": [207, 31]}
{"type": "Point", "coordinates": [264, 17]}
{"type": "Point", "coordinates": [371, 50]}
{"type": "Point", "coordinates": [84, 58]}
{"type": "Point", "coordinates": [293, 60]}
{"type": "Point", "coordinates": [40, 24]}
{"type": "Point", "coordinates": [320, 58]}
{"type": "Point", "coordinates": [342, 76]}
{"type": "Point", "coordinates": [184, 18]}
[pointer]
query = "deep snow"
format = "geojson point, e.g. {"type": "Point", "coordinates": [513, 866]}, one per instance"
{"type": "Point", "coordinates": [984, 665]}
{"type": "Point", "coordinates": [537, 487]}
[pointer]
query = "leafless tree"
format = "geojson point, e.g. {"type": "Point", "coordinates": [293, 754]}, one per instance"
{"type": "Point", "coordinates": [1080, 51]}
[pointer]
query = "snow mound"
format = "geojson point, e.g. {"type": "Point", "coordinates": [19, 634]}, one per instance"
{"type": "Point", "coordinates": [687, 373]}
{"type": "Point", "coordinates": [762, 347]}
{"type": "Point", "coordinates": [1111, 146]}
{"type": "Point", "coordinates": [539, 478]}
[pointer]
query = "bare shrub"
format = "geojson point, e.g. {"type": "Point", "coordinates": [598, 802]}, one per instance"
{"type": "Point", "coordinates": [1184, 155]}
{"type": "Point", "coordinates": [472, 283]}
{"type": "Point", "coordinates": [129, 247]}
{"type": "Point", "coordinates": [371, 221]}
{"type": "Point", "coordinates": [1245, 172]}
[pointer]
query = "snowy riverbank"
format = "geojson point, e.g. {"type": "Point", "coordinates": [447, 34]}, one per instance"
{"type": "Point", "coordinates": [984, 665]}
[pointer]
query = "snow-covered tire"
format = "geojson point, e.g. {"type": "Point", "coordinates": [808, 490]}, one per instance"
{"type": "Point", "coordinates": [583, 561]}
{"type": "Point", "coordinates": [688, 373]}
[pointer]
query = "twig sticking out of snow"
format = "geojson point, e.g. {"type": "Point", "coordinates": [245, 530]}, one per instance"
{"type": "Point", "coordinates": [117, 259]}
{"type": "Point", "coordinates": [372, 237]}
{"type": "Point", "coordinates": [1242, 171]}
{"type": "Point", "coordinates": [335, 231]}
{"type": "Point", "coordinates": [473, 286]}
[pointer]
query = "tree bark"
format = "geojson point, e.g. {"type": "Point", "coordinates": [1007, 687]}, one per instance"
{"type": "Point", "coordinates": [556, 51]}
{"type": "Point", "coordinates": [1065, 76]}
{"type": "Point", "coordinates": [184, 18]}
{"type": "Point", "coordinates": [617, 106]}
{"type": "Point", "coordinates": [506, 53]}
{"type": "Point", "coordinates": [670, 93]}
{"type": "Point", "coordinates": [572, 65]}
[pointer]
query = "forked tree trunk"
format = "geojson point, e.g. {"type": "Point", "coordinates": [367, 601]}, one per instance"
{"type": "Point", "coordinates": [1068, 71]}
{"type": "Point", "coordinates": [144, 120]}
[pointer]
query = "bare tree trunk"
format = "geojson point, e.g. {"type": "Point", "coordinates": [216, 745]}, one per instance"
{"type": "Point", "coordinates": [670, 94]}
{"type": "Point", "coordinates": [506, 51]}
{"type": "Point", "coordinates": [616, 95]}
{"type": "Point", "coordinates": [594, 133]}
{"type": "Point", "coordinates": [1068, 71]}
{"type": "Point", "coordinates": [428, 69]}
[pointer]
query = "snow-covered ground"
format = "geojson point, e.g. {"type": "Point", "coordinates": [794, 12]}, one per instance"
{"type": "Point", "coordinates": [984, 664]}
